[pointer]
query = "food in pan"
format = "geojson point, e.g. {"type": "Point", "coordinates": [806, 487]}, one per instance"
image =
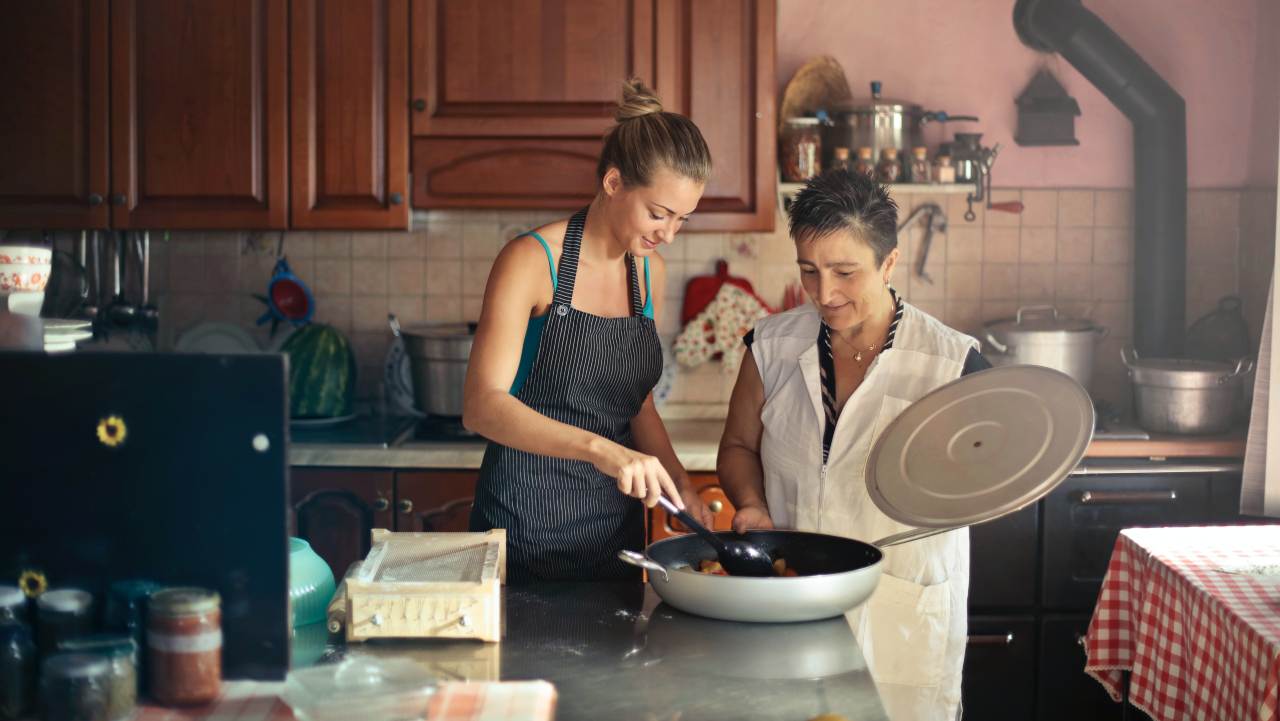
{"type": "Point", "coordinates": [712, 567]}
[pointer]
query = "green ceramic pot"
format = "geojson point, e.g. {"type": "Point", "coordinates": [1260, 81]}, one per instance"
{"type": "Point", "coordinates": [311, 584]}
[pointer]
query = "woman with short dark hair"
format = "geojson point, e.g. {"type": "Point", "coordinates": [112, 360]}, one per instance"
{"type": "Point", "coordinates": [816, 387]}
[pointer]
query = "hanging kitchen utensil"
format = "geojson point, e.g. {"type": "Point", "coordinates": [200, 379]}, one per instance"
{"type": "Point", "coordinates": [122, 312]}
{"type": "Point", "coordinates": [935, 221]}
{"type": "Point", "coordinates": [288, 299]}
{"type": "Point", "coordinates": [150, 313]}
{"type": "Point", "coordinates": [980, 447]}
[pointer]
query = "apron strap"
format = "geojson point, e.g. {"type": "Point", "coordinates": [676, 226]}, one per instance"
{"type": "Point", "coordinates": [637, 308]}
{"type": "Point", "coordinates": [569, 258]}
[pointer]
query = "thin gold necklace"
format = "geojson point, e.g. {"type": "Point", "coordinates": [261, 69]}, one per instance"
{"type": "Point", "coordinates": [857, 353]}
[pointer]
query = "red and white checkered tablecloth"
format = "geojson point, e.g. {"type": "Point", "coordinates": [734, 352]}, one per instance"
{"type": "Point", "coordinates": [1200, 643]}
{"type": "Point", "coordinates": [455, 701]}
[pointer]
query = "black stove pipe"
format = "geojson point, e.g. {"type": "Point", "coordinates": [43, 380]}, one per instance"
{"type": "Point", "coordinates": [1159, 118]}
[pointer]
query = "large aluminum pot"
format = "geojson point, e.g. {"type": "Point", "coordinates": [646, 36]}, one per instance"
{"type": "Point", "coordinates": [438, 357]}
{"type": "Point", "coordinates": [879, 123]}
{"type": "Point", "coordinates": [1177, 395]}
{"type": "Point", "coordinates": [1037, 335]}
{"type": "Point", "coordinates": [836, 574]}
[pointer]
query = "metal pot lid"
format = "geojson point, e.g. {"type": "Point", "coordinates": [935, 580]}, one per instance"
{"type": "Point", "coordinates": [980, 447]}
{"type": "Point", "coordinates": [1040, 319]}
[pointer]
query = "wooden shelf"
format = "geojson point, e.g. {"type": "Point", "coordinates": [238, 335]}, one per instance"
{"type": "Point", "coordinates": [790, 189]}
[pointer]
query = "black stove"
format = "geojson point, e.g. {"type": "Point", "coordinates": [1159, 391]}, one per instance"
{"type": "Point", "coordinates": [445, 428]}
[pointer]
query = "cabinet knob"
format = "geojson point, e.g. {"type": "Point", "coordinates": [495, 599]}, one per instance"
{"type": "Point", "coordinates": [406, 505]}
{"type": "Point", "coordinates": [716, 506]}
{"type": "Point", "coordinates": [419, 104]}
{"type": "Point", "coordinates": [118, 199]}
{"type": "Point", "coordinates": [381, 504]}
{"type": "Point", "coordinates": [95, 200]}
{"type": "Point", "coordinates": [396, 199]}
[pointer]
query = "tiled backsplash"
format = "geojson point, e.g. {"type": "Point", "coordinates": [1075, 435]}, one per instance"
{"type": "Point", "coordinates": [1072, 248]}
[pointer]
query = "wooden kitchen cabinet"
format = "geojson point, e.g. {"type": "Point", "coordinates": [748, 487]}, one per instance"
{"type": "Point", "coordinates": [662, 525]}
{"type": "Point", "coordinates": [511, 98]}
{"type": "Point", "coordinates": [434, 501]}
{"type": "Point", "coordinates": [335, 509]}
{"type": "Point", "coordinates": [199, 113]}
{"type": "Point", "coordinates": [348, 105]}
{"type": "Point", "coordinates": [999, 680]}
{"type": "Point", "coordinates": [53, 130]}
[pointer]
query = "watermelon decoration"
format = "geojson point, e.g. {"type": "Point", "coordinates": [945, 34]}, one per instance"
{"type": "Point", "coordinates": [322, 372]}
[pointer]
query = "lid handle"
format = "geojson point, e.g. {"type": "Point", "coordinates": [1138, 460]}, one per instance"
{"type": "Point", "coordinates": [1244, 366]}
{"type": "Point", "coordinates": [1031, 309]}
{"type": "Point", "coordinates": [1128, 356]}
{"type": "Point", "coordinates": [996, 344]}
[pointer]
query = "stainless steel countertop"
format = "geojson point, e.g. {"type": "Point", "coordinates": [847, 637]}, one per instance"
{"type": "Point", "coordinates": [614, 652]}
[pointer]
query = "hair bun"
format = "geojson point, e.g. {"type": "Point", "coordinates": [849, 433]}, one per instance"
{"type": "Point", "coordinates": [637, 101]}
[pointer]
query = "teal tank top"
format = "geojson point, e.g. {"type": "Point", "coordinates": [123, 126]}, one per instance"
{"type": "Point", "coordinates": [533, 333]}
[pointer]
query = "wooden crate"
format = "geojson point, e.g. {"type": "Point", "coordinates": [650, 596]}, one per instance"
{"type": "Point", "coordinates": [428, 585]}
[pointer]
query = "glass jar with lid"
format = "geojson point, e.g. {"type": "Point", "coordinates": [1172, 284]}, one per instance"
{"type": "Point", "coordinates": [17, 671]}
{"type": "Point", "coordinates": [121, 655]}
{"type": "Point", "coordinates": [840, 159]}
{"type": "Point", "coordinates": [13, 605]}
{"type": "Point", "coordinates": [62, 614]}
{"type": "Point", "coordinates": [73, 687]}
{"type": "Point", "coordinates": [920, 165]}
{"type": "Point", "coordinates": [889, 169]}
{"type": "Point", "coordinates": [864, 163]}
{"type": "Point", "coordinates": [801, 149]}
{"type": "Point", "coordinates": [184, 644]}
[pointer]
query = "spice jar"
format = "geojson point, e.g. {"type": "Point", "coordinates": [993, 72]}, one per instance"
{"type": "Point", "coordinates": [920, 165]}
{"type": "Point", "coordinates": [864, 164]}
{"type": "Point", "coordinates": [73, 687]}
{"type": "Point", "coordinates": [801, 149]}
{"type": "Point", "coordinates": [121, 655]}
{"type": "Point", "coordinates": [13, 605]}
{"type": "Point", "coordinates": [62, 614]}
{"type": "Point", "coordinates": [17, 671]}
{"type": "Point", "coordinates": [840, 158]}
{"type": "Point", "coordinates": [943, 170]}
{"type": "Point", "coordinates": [889, 170]}
{"type": "Point", "coordinates": [184, 643]}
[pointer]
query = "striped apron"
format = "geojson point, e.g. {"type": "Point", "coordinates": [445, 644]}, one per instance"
{"type": "Point", "coordinates": [565, 520]}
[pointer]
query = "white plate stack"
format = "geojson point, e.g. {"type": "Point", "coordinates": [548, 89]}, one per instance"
{"type": "Point", "coordinates": [61, 335]}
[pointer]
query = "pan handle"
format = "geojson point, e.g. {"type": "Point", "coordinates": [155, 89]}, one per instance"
{"type": "Point", "coordinates": [913, 534]}
{"type": "Point", "coordinates": [637, 559]}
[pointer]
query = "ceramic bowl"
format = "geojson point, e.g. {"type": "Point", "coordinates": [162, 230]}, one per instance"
{"type": "Point", "coordinates": [25, 255]}
{"type": "Point", "coordinates": [17, 277]}
{"type": "Point", "coordinates": [25, 302]}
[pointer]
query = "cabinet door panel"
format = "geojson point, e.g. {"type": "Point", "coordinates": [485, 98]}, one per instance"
{"type": "Point", "coordinates": [349, 85]}
{"type": "Point", "coordinates": [716, 65]}
{"type": "Point", "coordinates": [531, 68]}
{"type": "Point", "coordinates": [504, 173]}
{"type": "Point", "coordinates": [199, 109]}
{"type": "Point", "coordinates": [1083, 516]}
{"type": "Point", "coordinates": [434, 501]}
{"type": "Point", "coordinates": [1065, 692]}
{"type": "Point", "coordinates": [662, 524]}
{"type": "Point", "coordinates": [1003, 556]}
{"type": "Point", "coordinates": [999, 680]}
{"type": "Point", "coordinates": [334, 510]}
{"type": "Point", "coordinates": [53, 130]}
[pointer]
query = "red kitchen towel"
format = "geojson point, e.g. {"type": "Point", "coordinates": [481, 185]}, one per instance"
{"type": "Point", "coordinates": [455, 701]}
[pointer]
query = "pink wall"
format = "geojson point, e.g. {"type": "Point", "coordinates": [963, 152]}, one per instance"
{"type": "Point", "coordinates": [964, 57]}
